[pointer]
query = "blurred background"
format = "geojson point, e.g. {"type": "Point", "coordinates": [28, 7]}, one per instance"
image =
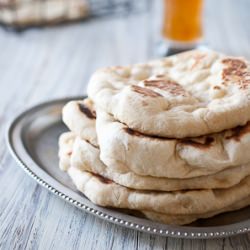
{"type": "Point", "coordinates": [49, 48]}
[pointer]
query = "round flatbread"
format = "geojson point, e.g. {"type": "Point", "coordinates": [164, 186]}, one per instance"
{"type": "Point", "coordinates": [187, 219]}
{"type": "Point", "coordinates": [185, 95]}
{"type": "Point", "coordinates": [126, 150]}
{"type": "Point", "coordinates": [86, 157]}
{"type": "Point", "coordinates": [107, 193]}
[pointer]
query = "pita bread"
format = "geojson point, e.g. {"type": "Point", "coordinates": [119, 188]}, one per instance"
{"type": "Point", "coordinates": [187, 219]}
{"type": "Point", "coordinates": [86, 157]}
{"type": "Point", "coordinates": [94, 187]}
{"type": "Point", "coordinates": [185, 95]}
{"type": "Point", "coordinates": [107, 193]}
{"type": "Point", "coordinates": [125, 150]}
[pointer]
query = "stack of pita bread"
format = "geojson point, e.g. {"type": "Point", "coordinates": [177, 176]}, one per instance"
{"type": "Point", "coordinates": [168, 138]}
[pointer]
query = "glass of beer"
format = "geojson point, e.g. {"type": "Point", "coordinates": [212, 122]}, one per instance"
{"type": "Point", "coordinates": [182, 24]}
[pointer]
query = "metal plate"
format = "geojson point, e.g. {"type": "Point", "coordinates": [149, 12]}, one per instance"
{"type": "Point", "coordinates": [32, 139]}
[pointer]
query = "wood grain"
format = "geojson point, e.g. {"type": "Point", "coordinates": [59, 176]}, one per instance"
{"type": "Point", "coordinates": [42, 64]}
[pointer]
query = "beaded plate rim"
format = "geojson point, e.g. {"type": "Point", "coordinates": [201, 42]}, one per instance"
{"type": "Point", "coordinates": [144, 225]}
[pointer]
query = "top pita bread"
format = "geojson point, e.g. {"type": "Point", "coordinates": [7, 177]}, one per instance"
{"type": "Point", "coordinates": [189, 94]}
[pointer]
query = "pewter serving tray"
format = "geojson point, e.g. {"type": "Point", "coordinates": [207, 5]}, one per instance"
{"type": "Point", "coordinates": [32, 139]}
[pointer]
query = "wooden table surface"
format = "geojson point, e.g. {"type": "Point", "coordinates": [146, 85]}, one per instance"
{"type": "Point", "coordinates": [42, 64]}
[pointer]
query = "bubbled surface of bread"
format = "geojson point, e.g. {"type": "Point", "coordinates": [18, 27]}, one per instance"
{"type": "Point", "coordinates": [190, 94]}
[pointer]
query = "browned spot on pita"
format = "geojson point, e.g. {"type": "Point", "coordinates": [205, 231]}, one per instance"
{"type": "Point", "coordinates": [132, 132]}
{"type": "Point", "coordinates": [217, 87]}
{"type": "Point", "coordinates": [168, 85]}
{"type": "Point", "coordinates": [95, 146]}
{"type": "Point", "coordinates": [69, 153]}
{"type": "Point", "coordinates": [234, 63]}
{"type": "Point", "coordinates": [145, 91]}
{"type": "Point", "coordinates": [102, 179]}
{"type": "Point", "coordinates": [208, 142]}
{"type": "Point", "coordinates": [236, 71]}
{"type": "Point", "coordinates": [136, 133]}
{"type": "Point", "coordinates": [239, 131]}
{"type": "Point", "coordinates": [87, 111]}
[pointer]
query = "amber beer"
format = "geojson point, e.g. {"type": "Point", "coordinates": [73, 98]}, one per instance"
{"type": "Point", "coordinates": [182, 20]}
